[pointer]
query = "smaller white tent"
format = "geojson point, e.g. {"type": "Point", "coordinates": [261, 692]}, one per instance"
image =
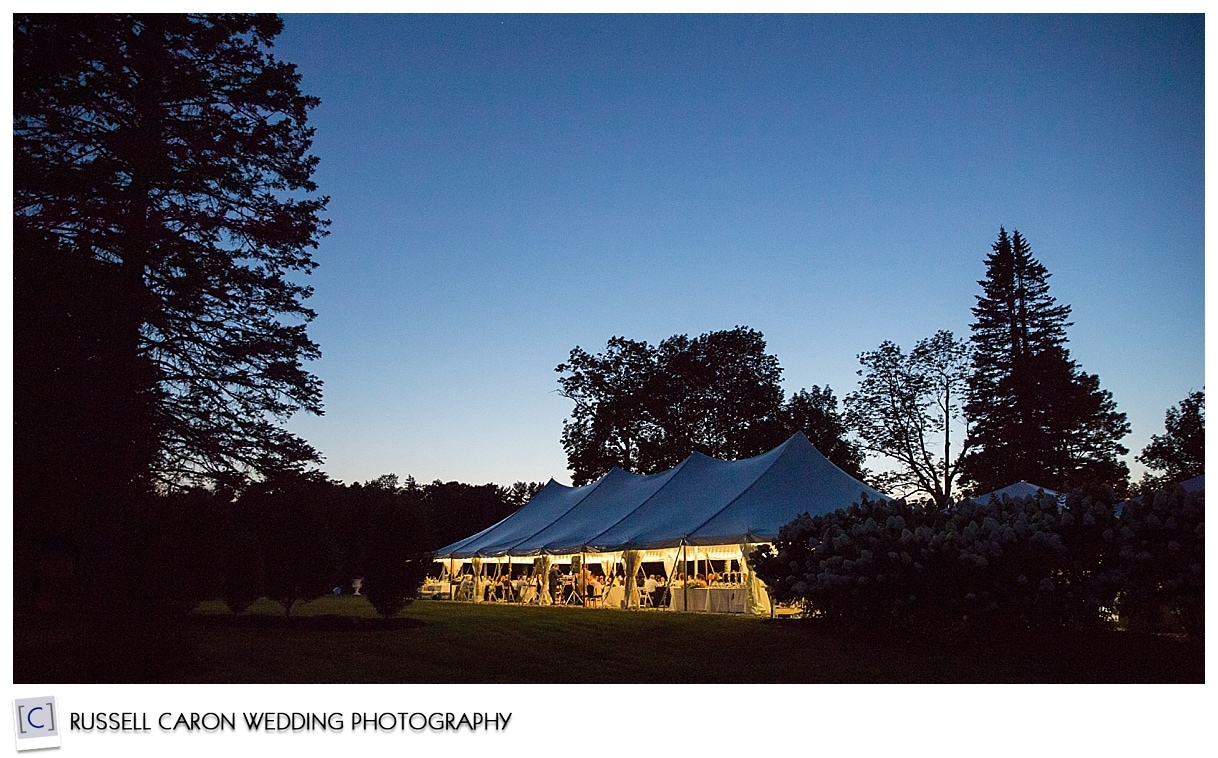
{"type": "Point", "coordinates": [1017, 490]}
{"type": "Point", "coordinates": [1194, 484]}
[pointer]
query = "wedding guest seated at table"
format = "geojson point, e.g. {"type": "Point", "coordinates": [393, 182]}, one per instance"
{"type": "Point", "coordinates": [660, 599]}
{"type": "Point", "coordinates": [649, 587]}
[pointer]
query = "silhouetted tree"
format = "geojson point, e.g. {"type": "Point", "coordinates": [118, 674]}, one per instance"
{"type": "Point", "coordinates": [243, 568]}
{"type": "Point", "coordinates": [815, 413]}
{"type": "Point", "coordinates": [1035, 415]}
{"type": "Point", "coordinates": [611, 420]}
{"type": "Point", "coordinates": [363, 514]}
{"type": "Point", "coordinates": [394, 561]}
{"type": "Point", "coordinates": [180, 543]}
{"type": "Point", "coordinates": [1179, 453]}
{"type": "Point", "coordinates": [288, 511]}
{"type": "Point", "coordinates": [906, 406]}
{"type": "Point", "coordinates": [645, 408]}
{"type": "Point", "coordinates": [520, 493]}
{"type": "Point", "coordinates": [718, 394]}
{"type": "Point", "coordinates": [161, 213]}
{"type": "Point", "coordinates": [456, 510]}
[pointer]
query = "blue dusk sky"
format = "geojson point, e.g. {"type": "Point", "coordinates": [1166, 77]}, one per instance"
{"type": "Point", "coordinates": [505, 188]}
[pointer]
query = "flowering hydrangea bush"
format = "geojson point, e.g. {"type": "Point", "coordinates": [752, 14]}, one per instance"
{"type": "Point", "coordinates": [1028, 563]}
{"type": "Point", "coordinates": [1160, 551]}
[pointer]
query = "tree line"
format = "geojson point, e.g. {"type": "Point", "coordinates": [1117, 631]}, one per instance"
{"type": "Point", "coordinates": [290, 537]}
{"type": "Point", "coordinates": [951, 416]}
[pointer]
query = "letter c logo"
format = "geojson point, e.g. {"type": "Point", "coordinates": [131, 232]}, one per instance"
{"type": "Point", "coordinates": [29, 717]}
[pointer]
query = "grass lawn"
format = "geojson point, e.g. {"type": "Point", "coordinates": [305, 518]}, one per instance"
{"type": "Point", "coordinates": [338, 639]}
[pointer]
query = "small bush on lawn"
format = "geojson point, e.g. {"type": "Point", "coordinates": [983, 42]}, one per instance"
{"type": "Point", "coordinates": [391, 585]}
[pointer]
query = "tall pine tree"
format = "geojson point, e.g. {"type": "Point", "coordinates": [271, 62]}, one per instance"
{"type": "Point", "coordinates": [164, 218]}
{"type": "Point", "coordinates": [1036, 416]}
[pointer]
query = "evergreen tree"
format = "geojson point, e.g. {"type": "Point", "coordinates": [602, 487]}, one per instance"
{"type": "Point", "coordinates": [163, 216]}
{"type": "Point", "coordinates": [1035, 415]}
{"type": "Point", "coordinates": [166, 156]}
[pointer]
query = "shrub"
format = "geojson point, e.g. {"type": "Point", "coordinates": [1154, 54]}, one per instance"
{"type": "Point", "coordinates": [1160, 556]}
{"type": "Point", "coordinates": [391, 585]}
{"type": "Point", "coordinates": [1023, 564]}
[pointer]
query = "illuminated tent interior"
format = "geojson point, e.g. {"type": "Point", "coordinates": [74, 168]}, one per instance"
{"type": "Point", "coordinates": [701, 514]}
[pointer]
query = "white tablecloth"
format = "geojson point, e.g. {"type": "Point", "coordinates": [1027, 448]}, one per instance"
{"type": "Point", "coordinates": [614, 596]}
{"type": "Point", "coordinates": [439, 589]}
{"type": "Point", "coordinates": [710, 599]}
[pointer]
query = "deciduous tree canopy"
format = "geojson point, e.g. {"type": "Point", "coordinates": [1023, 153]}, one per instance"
{"type": "Point", "coordinates": [1179, 453]}
{"type": "Point", "coordinates": [905, 408]}
{"type": "Point", "coordinates": [815, 413]}
{"type": "Point", "coordinates": [645, 408]}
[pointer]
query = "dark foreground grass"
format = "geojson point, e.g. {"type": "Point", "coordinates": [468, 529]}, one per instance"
{"type": "Point", "coordinates": [334, 640]}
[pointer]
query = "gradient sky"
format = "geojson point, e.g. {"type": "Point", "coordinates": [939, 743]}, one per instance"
{"type": "Point", "coordinates": [504, 188]}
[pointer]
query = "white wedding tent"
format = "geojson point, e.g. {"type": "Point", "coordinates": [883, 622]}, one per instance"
{"type": "Point", "coordinates": [702, 509]}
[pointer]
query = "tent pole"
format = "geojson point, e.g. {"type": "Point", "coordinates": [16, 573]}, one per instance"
{"type": "Point", "coordinates": [621, 558]}
{"type": "Point", "coordinates": [685, 574]}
